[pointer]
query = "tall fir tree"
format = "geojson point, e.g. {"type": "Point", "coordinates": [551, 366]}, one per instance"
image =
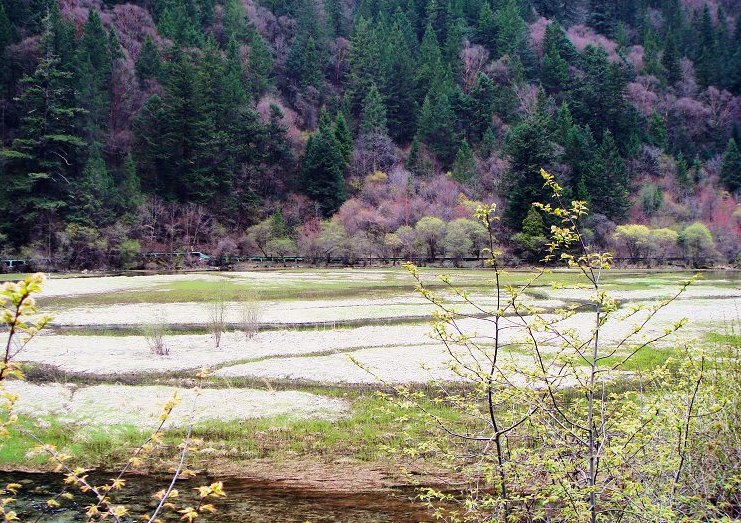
{"type": "Point", "coordinates": [398, 85]}
{"type": "Point", "coordinates": [606, 181]}
{"type": "Point", "coordinates": [365, 63]}
{"type": "Point", "coordinates": [373, 118]}
{"type": "Point", "coordinates": [430, 70]}
{"type": "Point", "coordinates": [670, 59]}
{"type": "Point", "coordinates": [706, 58]}
{"type": "Point", "coordinates": [436, 125]}
{"type": "Point", "coordinates": [7, 31]}
{"type": "Point", "coordinates": [93, 197]}
{"type": "Point", "coordinates": [602, 17]}
{"type": "Point", "coordinates": [41, 164]}
{"type": "Point", "coordinates": [180, 22]}
{"type": "Point", "coordinates": [529, 148]}
{"type": "Point", "coordinates": [128, 189]}
{"type": "Point", "coordinates": [730, 171]}
{"type": "Point", "coordinates": [511, 29]}
{"type": "Point", "coordinates": [486, 31]}
{"type": "Point", "coordinates": [94, 74]}
{"type": "Point", "coordinates": [260, 64]}
{"type": "Point", "coordinates": [344, 136]}
{"type": "Point", "coordinates": [235, 21]}
{"type": "Point", "coordinates": [148, 63]}
{"type": "Point", "coordinates": [464, 166]}
{"type": "Point", "coordinates": [322, 171]}
{"type": "Point", "coordinates": [482, 106]}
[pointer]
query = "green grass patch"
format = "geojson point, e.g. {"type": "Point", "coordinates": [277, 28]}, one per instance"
{"type": "Point", "coordinates": [373, 424]}
{"type": "Point", "coordinates": [647, 358]}
{"type": "Point", "coordinates": [727, 340]}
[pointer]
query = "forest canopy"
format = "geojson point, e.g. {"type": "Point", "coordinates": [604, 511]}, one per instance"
{"type": "Point", "coordinates": [347, 128]}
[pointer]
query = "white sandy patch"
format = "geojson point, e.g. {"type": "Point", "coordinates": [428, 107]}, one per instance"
{"type": "Point", "coordinates": [412, 364]}
{"type": "Point", "coordinates": [142, 405]}
{"type": "Point", "coordinates": [419, 364]}
{"type": "Point", "coordinates": [695, 291]}
{"type": "Point", "coordinates": [288, 312]}
{"type": "Point", "coordinates": [104, 355]}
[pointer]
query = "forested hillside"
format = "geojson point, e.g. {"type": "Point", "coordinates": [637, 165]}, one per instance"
{"type": "Point", "coordinates": [355, 128]}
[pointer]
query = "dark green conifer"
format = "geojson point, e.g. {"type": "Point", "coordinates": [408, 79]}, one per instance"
{"type": "Point", "coordinates": [365, 63]}
{"type": "Point", "coordinates": [322, 171]}
{"type": "Point", "coordinates": [344, 136]}
{"type": "Point", "coordinates": [430, 65]}
{"type": "Point", "coordinates": [148, 64]}
{"type": "Point", "coordinates": [486, 32]}
{"type": "Point", "coordinates": [671, 60]}
{"type": "Point", "coordinates": [464, 166]}
{"type": "Point", "coordinates": [399, 85]}
{"type": "Point", "coordinates": [606, 181]}
{"type": "Point", "coordinates": [730, 172]}
{"type": "Point", "coordinates": [129, 191]}
{"type": "Point", "coordinates": [529, 148]}
{"type": "Point", "coordinates": [94, 194]}
{"type": "Point", "coordinates": [373, 118]}
{"type": "Point", "coordinates": [511, 29]}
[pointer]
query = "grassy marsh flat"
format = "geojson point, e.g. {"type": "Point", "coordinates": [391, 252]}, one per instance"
{"type": "Point", "coordinates": [334, 333]}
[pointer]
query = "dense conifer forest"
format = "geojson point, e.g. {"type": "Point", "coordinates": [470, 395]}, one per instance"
{"type": "Point", "coordinates": [365, 128]}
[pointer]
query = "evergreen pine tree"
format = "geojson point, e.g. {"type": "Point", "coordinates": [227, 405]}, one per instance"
{"type": "Point", "coordinates": [670, 60]}
{"type": "Point", "coordinates": [148, 64]}
{"type": "Point", "coordinates": [235, 92]}
{"type": "Point", "coordinates": [464, 166]}
{"type": "Point", "coordinates": [322, 171]}
{"type": "Point", "coordinates": [555, 72]}
{"type": "Point", "coordinates": [529, 148]}
{"type": "Point", "coordinates": [94, 76]}
{"type": "Point", "coordinates": [651, 63]}
{"type": "Point", "coordinates": [43, 159]}
{"type": "Point", "coordinates": [335, 17]}
{"type": "Point", "coordinates": [344, 136]}
{"type": "Point", "coordinates": [365, 63]}
{"type": "Point", "coordinates": [304, 62]}
{"type": "Point", "coordinates": [373, 118]}
{"type": "Point", "coordinates": [683, 173]}
{"type": "Point", "coordinates": [511, 29]}
{"type": "Point", "coordinates": [235, 20]}
{"type": "Point", "coordinates": [129, 191]}
{"type": "Point", "coordinates": [606, 181]}
{"type": "Point", "coordinates": [579, 151]}
{"type": "Point", "coordinates": [436, 124]}
{"type": "Point", "coordinates": [482, 105]}
{"type": "Point", "coordinates": [562, 124]}
{"type": "Point", "coordinates": [486, 32]}
{"type": "Point", "coordinates": [93, 193]}
{"type": "Point", "coordinates": [706, 65]}
{"type": "Point", "coordinates": [730, 172]}
{"type": "Point", "coordinates": [602, 17]}
{"type": "Point", "coordinates": [488, 144]}
{"type": "Point", "coordinates": [413, 160]}
{"type": "Point", "coordinates": [399, 87]}
{"type": "Point", "coordinates": [7, 31]}
{"type": "Point", "coordinates": [259, 64]}
{"type": "Point", "coordinates": [180, 23]}
{"type": "Point", "coordinates": [430, 66]}
{"type": "Point", "coordinates": [656, 135]}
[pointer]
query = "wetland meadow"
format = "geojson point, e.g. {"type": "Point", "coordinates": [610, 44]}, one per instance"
{"type": "Point", "coordinates": [297, 363]}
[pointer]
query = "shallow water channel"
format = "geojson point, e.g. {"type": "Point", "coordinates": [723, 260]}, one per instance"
{"type": "Point", "coordinates": [248, 501]}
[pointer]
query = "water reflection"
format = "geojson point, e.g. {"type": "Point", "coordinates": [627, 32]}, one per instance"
{"type": "Point", "coordinates": [248, 501]}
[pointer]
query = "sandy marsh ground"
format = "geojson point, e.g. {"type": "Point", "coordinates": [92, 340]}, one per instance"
{"type": "Point", "coordinates": [393, 353]}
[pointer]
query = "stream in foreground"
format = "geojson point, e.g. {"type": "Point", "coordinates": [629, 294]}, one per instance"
{"type": "Point", "coordinates": [248, 501]}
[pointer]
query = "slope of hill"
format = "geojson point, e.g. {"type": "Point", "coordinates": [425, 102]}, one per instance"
{"type": "Point", "coordinates": [368, 127]}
